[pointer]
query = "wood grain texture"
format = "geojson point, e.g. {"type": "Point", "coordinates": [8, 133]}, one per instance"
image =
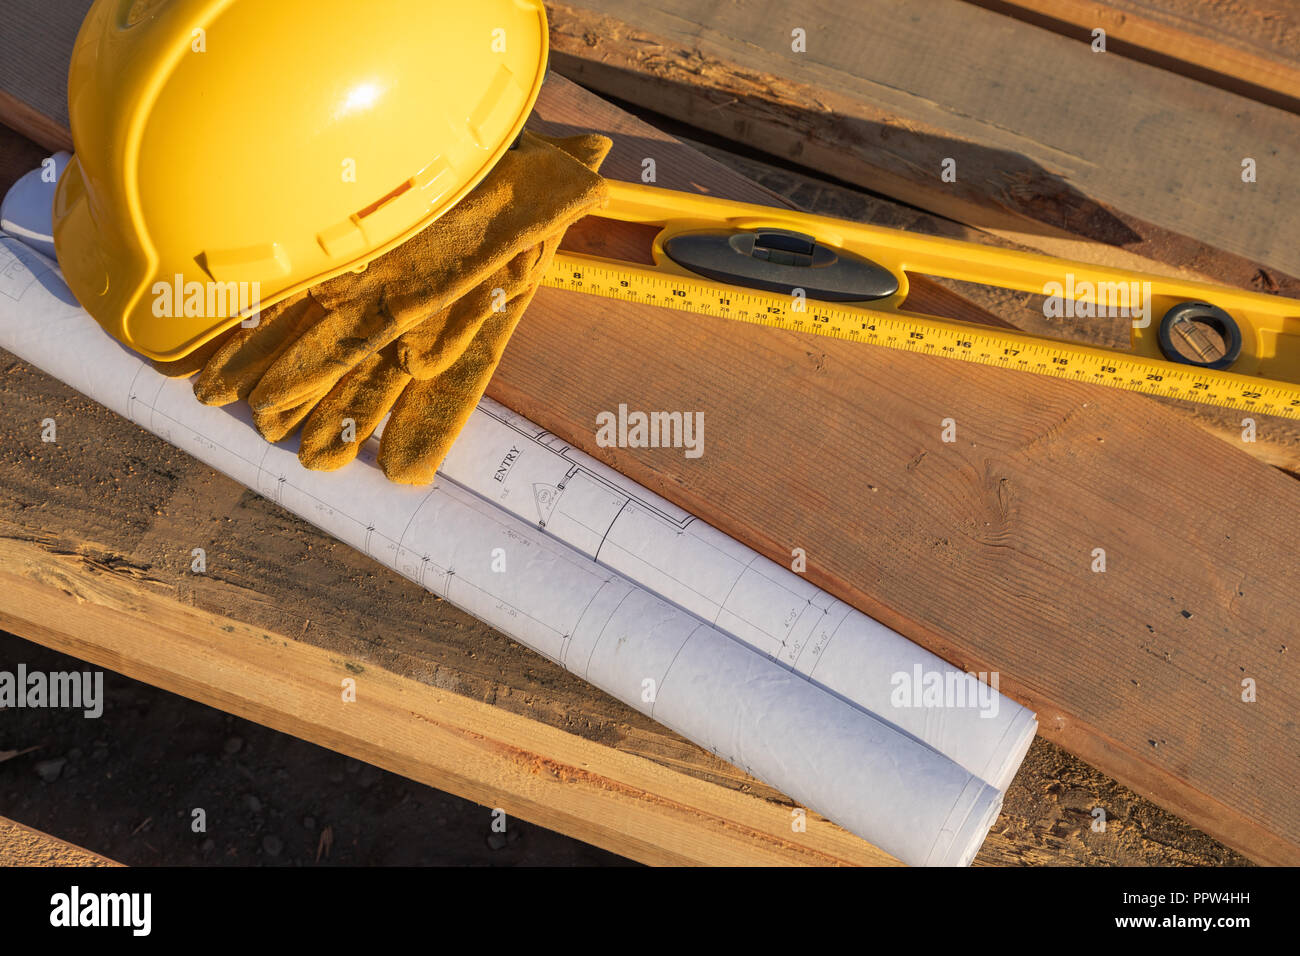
{"type": "Point", "coordinates": [739, 103]}
{"type": "Point", "coordinates": [23, 846]}
{"type": "Point", "coordinates": [979, 550]}
{"type": "Point", "coordinates": [16, 114]}
{"type": "Point", "coordinates": [1080, 155]}
{"type": "Point", "coordinates": [1247, 48]}
{"type": "Point", "coordinates": [96, 533]}
{"type": "Point", "coordinates": [1277, 443]}
{"type": "Point", "coordinates": [35, 46]}
{"type": "Point", "coordinates": [633, 806]}
{"type": "Point", "coordinates": [119, 502]}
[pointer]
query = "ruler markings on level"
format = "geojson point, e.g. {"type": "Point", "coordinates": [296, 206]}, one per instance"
{"type": "Point", "coordinates": [925, 335]}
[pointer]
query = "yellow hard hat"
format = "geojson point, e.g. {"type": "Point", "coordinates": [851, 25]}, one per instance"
{"type": "Point", "coordinates": [230, 153]}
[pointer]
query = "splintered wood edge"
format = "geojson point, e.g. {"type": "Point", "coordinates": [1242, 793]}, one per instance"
{"type": "Point", "coordinates": [623, 803]}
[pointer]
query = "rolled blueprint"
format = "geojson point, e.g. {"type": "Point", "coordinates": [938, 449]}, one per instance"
{"type": "Point", "coordinates": [538, 477]}
{"type": "Point", "coordinates": [829, 754]}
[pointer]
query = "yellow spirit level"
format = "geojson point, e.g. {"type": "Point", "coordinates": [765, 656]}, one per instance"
{"type": "Point", "coordinates": [792, 270]}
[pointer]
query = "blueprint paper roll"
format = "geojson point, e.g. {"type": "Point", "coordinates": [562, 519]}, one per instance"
{"type": "Point", "coordinates": [836, 758]}
{"type": "Point", "coordinates": [607, 516]}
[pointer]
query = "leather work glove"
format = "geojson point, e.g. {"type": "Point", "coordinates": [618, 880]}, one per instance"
{"type": "Point", "coordinates": [419, 332]}
{"type": "Point", "coordinates": [430, 390]}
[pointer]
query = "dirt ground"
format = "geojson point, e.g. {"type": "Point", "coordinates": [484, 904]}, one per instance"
{"type": "Point", "coordinates": [125, 784]}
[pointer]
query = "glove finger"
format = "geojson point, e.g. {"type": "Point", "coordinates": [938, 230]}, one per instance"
{"type": "Point", "coordinates": [415, 442]}
{"type": "Point", "coordinates": [338, 342]}
{"type": "Point", "coordinates": [429, 349]}
{"type": "Point", "coordinates": [590, 149]}
{"type": "Point", "coordinates": [308, 367]}
{"type": "Point", "coordinates": [240, 361]}
{"type": "Point", "coordinates": [279, 423]}
{"type": "Point", "coordinates": [430, 413]}
{"type": "Point", "coordinates": [342, 421]}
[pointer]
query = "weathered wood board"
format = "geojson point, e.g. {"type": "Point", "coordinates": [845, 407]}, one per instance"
{"type": "Point", "coordinates": [1078, 154]}
{"type": "Point", "coordinates": [980, 549]}
{"type": "Point", "coordinates": [1247, 48]}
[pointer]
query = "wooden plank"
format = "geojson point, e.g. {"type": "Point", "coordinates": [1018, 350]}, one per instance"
{"type": "Point", "coordinates": [1249, 49]}
{"type": "Point", "coordinates": [95, 573]}
{"type": "Point", "coordinates": [661, 74]}
{"type": "Point", "coordinates": [1277, 444]}
{"type": "Point", "coordinates": [394, 628]}
{"type": "Point", "coordinates": [1072, 153]}
{"type": "Point", "coordinates": [639, 808]}
{"type": "Point", "coordinates": [35, 47]}
{"type": "Point", "coordinates": [16, 114]}
{"type": "Point", "coordinates": [23, 846]}
{"type": "Point", "coordinates": [979, 550]}
{"type": "Point", "coordinates": [446, 700]}
{"type": "Point", "coordinates": [138, 536]}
